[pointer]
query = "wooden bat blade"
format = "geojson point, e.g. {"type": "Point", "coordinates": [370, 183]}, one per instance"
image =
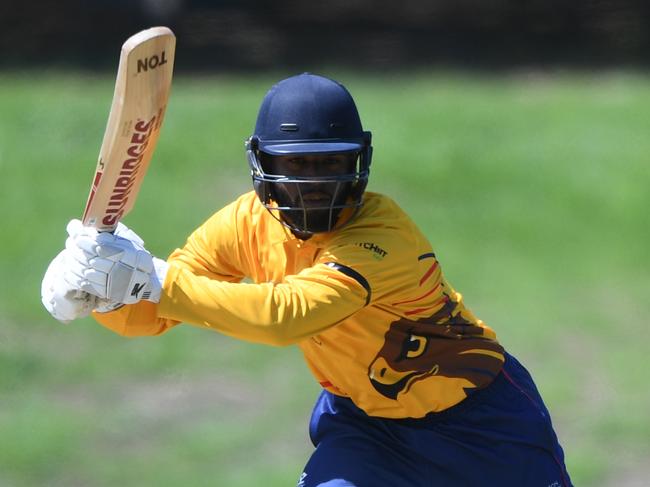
{"type": "Point", "coordinates": [139, 102]}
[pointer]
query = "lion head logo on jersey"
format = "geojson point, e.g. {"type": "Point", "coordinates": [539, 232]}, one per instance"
{"type": "Point", "coordinates": [444, 344]}
{"type": "Point", "coordinates": [401, 361]}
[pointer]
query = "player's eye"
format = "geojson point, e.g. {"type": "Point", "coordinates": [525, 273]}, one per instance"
{"type": "Point", "coordinates": [295, 162]}
{"type": "Point", "coordinates": [341, 163]}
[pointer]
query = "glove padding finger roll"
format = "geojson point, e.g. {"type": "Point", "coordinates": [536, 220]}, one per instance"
{"type": "Point", "coordinates": [111, 266]}
{"type": "Point", "coordinates": [83, 241]}
{"type": "Point", "coordinates": [64, 301]}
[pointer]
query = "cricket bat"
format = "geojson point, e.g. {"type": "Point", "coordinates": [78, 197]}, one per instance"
{"type": "Point", "coordinates": [141, 92]}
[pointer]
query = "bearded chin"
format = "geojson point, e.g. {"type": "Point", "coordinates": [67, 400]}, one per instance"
{"type": "Point", "coordinates": [312, 221]}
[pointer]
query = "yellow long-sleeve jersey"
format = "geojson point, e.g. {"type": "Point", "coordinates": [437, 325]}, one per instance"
{"type": "Point", "coordinates": [367, 304]}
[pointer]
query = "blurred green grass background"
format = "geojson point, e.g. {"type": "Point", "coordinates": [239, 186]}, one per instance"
{"type": "Point", "coordinates": [531, 186]}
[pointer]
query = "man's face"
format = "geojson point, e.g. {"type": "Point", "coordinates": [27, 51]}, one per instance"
{"type": "Point", "coordinates": [313, 201]}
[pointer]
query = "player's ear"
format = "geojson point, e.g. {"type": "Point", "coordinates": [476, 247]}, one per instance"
{"type": "Point", "coordinates": [352, 161]}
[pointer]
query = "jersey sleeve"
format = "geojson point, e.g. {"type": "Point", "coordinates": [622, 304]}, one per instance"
{"type": "Point", "coordinates": [300, 306]}
{"type": "Point", "coordinates": [212, 250]}
{"type": "Point", "coordinates": [209, 252]}
{"type": "Point", "coordinates": [364, 265]}
{"type": "Point", "coordinates": [203, 288]}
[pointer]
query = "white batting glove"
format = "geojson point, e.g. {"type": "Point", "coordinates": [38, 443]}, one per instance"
{"type": "Point", "coordinates": [113, 266]}
{"type": "Point", "coordinates": [61, 299]}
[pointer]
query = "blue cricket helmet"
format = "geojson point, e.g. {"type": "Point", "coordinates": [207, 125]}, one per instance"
{"type": "Point", "coordinates": [309, 114]}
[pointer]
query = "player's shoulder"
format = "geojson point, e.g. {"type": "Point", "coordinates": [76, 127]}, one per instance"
{"type": "Point", "coordinates": [382, 223]}
{"type": "Point", "coordinates": [382, 244]}
{"type": "Point", "coordinates": [379, 202]}
{"type": "Point", "coordinates": [382, 212]}
{"type": "Point", "coordinates": [247, 201]}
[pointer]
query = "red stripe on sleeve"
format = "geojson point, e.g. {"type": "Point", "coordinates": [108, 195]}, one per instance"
{"type": "Point", "coordinates": [429, 272]}
{"type": "Point", "coordinates": [418, 298]}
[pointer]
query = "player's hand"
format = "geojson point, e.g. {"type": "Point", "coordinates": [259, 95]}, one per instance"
{"type": "Point", "coordinates": [113, 266]}
{"type": "Point", "coordinates": [62, 299]}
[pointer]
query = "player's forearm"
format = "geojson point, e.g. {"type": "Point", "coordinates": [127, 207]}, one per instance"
{"type": "Point", "coordinates": [275, 314]}
{"type": "Point", "coordinates": [134, 320]}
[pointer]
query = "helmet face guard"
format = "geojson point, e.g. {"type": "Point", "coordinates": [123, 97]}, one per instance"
{"type": "Point", "coordinates": [346, 190]}
{"type": "Point", "coordinates": [309, 115]}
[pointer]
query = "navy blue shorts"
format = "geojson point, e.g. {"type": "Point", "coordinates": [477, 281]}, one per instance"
{"type": "Point", "coordinates": [499, 436]}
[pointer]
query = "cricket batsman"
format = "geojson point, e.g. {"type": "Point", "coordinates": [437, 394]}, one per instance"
{"type": "Point", "coordinates": [416, 390]}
